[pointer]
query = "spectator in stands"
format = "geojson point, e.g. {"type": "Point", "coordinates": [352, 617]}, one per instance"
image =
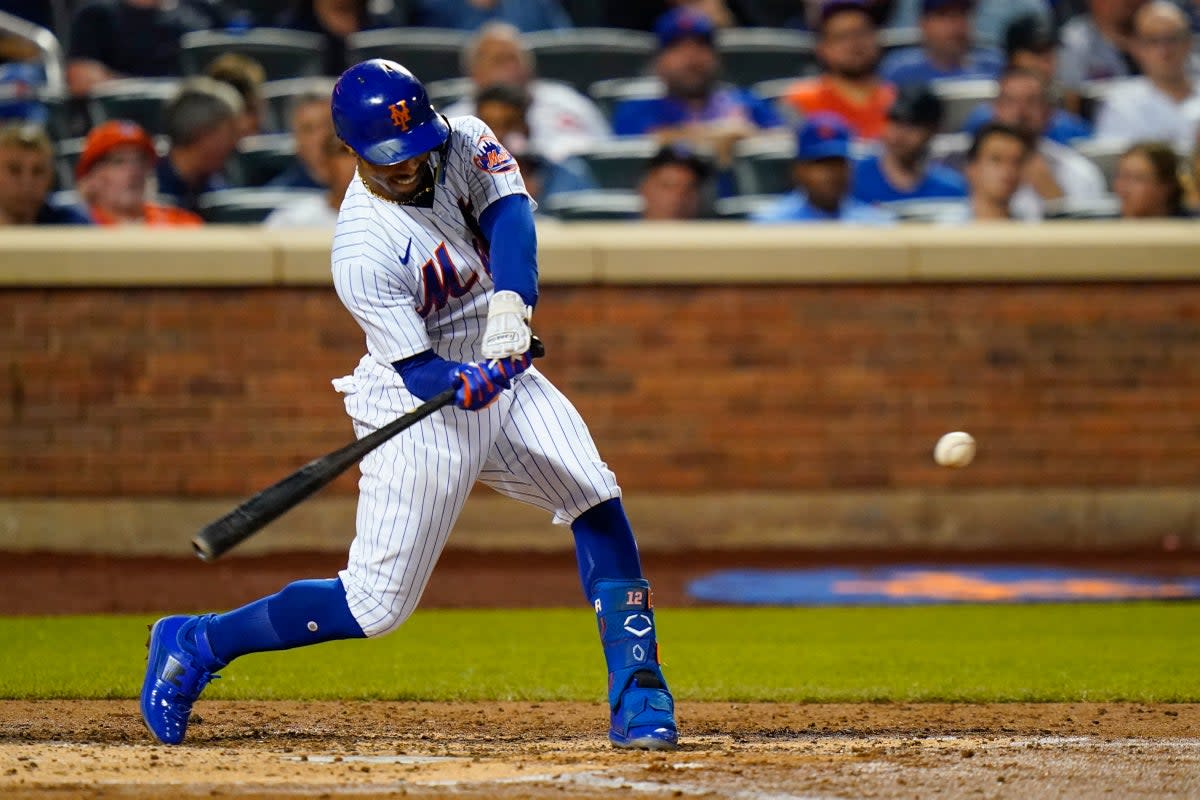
{"type": "Point", "coordinates": [505, 110]}
{"type": "Point", "coordinates": [900, 170]}
{"type": "Point", "coordinates": [335, 20]}
{"type": "Point", "coordinates": [673, 185]}
{"type": "Point", "coordinates": [945, 51]}
{"type": "Point", "coordinates": [525, 15]}
{"type": "Point", "coordinates": [320, 210]}
{"type": "Point", "coordinates": [995, 163]}
{"type": "Point", "coordinates": [1164, 105]}
{"type": "Point", "coordinates": [112, 174]}
{"type": "Point", "coordinates": [1053, 172]}
{"type": "Point", "coordinates": [989, 22]}
{"type": "Point", "coordinates": [1095, 46]}
{"type": "Point", "coordinates": [131, 38]}
{"type": "Point", "coordinates": [642, 15]}
{"type": "Point", "coordinates": [246, 76]}
{"type": "Point", "coordinates": [561, 120]}
{"type": "Point", "coordinates": [850, 86]}
{"type": "Point", "coordinates": [1148, 182]}
{"type": "Point", "coordinates": [311, 124]}
{"type": "Point", "coordinates": [1030, 45]}
{"type": "Point", "coordinates": [26, 175]}
{"type": "Point", "coordinates": [201, 123]}
{"type": "Point", "coordinates": [695, 108]}
{"type": "Point", "coordinates": [821, 174]}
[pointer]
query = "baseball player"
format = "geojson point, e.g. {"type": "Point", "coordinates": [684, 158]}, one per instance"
{"type": "Point", "coordinates": [434, 255]}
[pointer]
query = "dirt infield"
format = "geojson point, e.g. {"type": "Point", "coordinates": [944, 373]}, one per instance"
{"type": "Point", "coordinates": [98, 749]}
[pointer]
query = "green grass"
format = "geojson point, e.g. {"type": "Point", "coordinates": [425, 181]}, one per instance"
{"type": "Point", "coordinates": [1135, 651]}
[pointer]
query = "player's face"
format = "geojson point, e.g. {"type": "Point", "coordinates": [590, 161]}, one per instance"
{"type": "Point", "coordinates": [671, 192]}
{"type": "Point", "coordinates": [118, 182]}
{"type": "Point", "coordinates": [825, 181]}
{"type": "Point", "coordinates": [1138, 187]}
{"type": "Point", "coordinates": [849, 45]}
{"type": "Point", "coordinates": [688, 67]}
{"type": "Point", "coordinates": [312, 125]}
{"type": "Point", "coordinates": [25, 179]}
{"type": "Point", "coordinates": [907, 143]}
{"type": "Point", "coordinates": [947, 32]}
{"type": "Point", "coordinates": [1022, 104]}
{"type": "Point", "coordinates": [995, 174]}
{"type": "Point", "coordinates": [397, 181]}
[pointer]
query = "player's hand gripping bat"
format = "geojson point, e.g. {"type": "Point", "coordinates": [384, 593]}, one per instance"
{"type": "Point", "coordinates": [241, 523]}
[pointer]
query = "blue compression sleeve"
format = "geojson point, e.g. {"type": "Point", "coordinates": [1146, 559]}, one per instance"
{"type": "Point", "coordinates": [604, 545]}
{"type": "Point", "coordinates": [427, 374]}
{"type": "Point", "coordinates": [508, 225]}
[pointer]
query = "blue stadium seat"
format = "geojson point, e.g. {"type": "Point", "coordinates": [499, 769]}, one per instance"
{"type": "Point", "coordinates": [246, 206]}
{"type": "Point", "coordinates": [752, 55]}
{"type": "Point", "coordinates": [282, 53]}
{"type": "Point", "coordinates": [432, 54]}
{"type": "Point", "coordinates": [137, 99]}
{"type": "Point", "coordinates": [582, 56]}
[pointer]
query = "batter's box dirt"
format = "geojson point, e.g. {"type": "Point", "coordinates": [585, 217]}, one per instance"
{"type": "Point", "coordinates": [98, 749]}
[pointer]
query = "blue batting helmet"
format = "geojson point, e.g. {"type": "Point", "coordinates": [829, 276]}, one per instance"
{"type": "Point", "coordinates": [383, 113]}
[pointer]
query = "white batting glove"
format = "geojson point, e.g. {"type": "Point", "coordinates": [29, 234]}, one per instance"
{"type": "Point", "coordinates": [507, 333]}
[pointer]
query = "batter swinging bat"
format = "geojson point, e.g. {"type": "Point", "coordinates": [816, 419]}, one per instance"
{"type": "Point", "coordinates": [241, 523]}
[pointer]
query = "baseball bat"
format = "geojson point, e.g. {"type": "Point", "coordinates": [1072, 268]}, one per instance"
{"type": "Point", "coordinates": [219, 536]}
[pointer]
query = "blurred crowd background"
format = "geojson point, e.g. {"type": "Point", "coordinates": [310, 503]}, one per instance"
{"type": "Point", "coordinates": [186, 112]}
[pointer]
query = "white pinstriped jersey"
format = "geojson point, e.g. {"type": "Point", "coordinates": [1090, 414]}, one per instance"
{"type": "Point", "coordinates": [417, 278]}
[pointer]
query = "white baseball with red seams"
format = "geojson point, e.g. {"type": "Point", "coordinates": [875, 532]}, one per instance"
{"type": "Point", "coordinates": [955, 449]}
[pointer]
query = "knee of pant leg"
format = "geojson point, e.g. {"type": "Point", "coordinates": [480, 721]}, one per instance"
{"type": "Point", "coordinates": [377, 613]}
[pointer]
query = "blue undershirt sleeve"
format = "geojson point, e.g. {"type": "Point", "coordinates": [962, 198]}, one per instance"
{"type": "Point", "coordinates": [427, 374]}
{"type": "Point", "coordinates": [508, 225]}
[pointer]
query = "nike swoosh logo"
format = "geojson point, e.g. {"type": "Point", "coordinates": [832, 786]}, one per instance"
{"type": "Point", "coordinates": [407, 250]}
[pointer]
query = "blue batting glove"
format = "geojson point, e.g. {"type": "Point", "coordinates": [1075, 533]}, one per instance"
{"type": "Point", "coordinates": [481, 382]}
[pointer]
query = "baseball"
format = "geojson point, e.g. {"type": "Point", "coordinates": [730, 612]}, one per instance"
{"type": "Point", "coordinates": [955, 449]}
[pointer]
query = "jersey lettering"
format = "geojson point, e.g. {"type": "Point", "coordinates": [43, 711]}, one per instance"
{"type": "Point", "coordinates": [441, 281]}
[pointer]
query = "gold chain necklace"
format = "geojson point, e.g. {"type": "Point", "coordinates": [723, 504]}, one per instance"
{"type": "Point", "coordinates": [409, 202]}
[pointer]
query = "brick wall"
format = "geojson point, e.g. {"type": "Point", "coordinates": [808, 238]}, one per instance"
{"type": "Point", "coordinates": [218, 392]}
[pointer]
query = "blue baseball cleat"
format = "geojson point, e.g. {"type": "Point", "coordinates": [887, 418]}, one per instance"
{"type": "Point", "coordinates": [643, 711]}
{"type": "Point", "coordinates": [644, 718]}
{"type": "Point", "coordinates": [176, 674]}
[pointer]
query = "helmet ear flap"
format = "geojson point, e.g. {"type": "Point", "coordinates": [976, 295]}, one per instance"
{"type": "Point", "coordinates": [382, 112]}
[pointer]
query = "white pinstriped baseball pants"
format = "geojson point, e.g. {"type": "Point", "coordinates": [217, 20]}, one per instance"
{"type": "Point", "coordinates": [531, 445]}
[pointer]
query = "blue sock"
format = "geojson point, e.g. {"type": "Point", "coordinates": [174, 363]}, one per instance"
{"type": "Point", "coordinates": [302, 613]}
{"type": "Point", "coordinates": [604, 546]}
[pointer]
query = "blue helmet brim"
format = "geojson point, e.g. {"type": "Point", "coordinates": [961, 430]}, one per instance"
{"type": "Point", "coordinates": [421, 139]}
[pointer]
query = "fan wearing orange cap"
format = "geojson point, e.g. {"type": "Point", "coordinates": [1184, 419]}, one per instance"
{"type": "Point", "coordinates": [111, 176]}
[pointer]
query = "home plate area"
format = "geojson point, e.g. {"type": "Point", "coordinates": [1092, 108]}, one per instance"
{"type": "Point", "coordinates": [97, 749]}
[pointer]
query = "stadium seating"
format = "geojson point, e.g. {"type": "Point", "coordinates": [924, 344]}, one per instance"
{"type": "Point", "coordinates": [763, 165]}
{"type": "Point", "coordinates": [619, 163]}
{"type": "Point", "coordinates": [752, 55]}
{"type": "Point", "coordinates": [279, 96]}
{"type": "Point", "coordinates": [773, 91]}
{"type": "Point", "coordinates": [923, 210]}
{"type": "Point", "coordinates": [282, 53]}
{"type": "Point", "coordinates": [583, 56]}
{"type": "Point", "coordinates": [1104, 153]}
{"type": "Point", "coordinates": [432, 54]}
{"type": "Point", "coordinates": [246, 205]}
{"type": "Point", "coordinates": [611, 204]}
{"type": "Point", "coordinates": [742, 206]}
{"type": "Point", "coordinates": [447, 92]}
{"type": "Point", "coordinates": [961, 97]}
{"type": "Point", "coordinates": [1104, 207]}
{"type": "Point", "coordinates": [66, 156]}
{"type": "Point", "coordinates": [138, 99]}
{"type": "Point", "coordinates": [261, 158]}
{"type": "Point", "coordinates": [899, 38]}
{"type": "Point", "coordinates": [1092, 95]}
{"type": "Point", "coordinates": [608, 93]}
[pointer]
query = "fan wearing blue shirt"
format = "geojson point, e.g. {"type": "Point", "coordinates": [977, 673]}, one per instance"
{"type": "Point", "coordinates": [821, 174]}
{"type": "Point", "coordinates": [900, 171]}
{"type": "Point", "coordinates": [695, 107]}
{"type": "Point", "coordinates": [945, 51]}
{"type": "Point", "coordinates": [1030, 44]}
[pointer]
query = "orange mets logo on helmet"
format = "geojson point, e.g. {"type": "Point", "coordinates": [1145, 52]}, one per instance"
{"type": "Point", "coordinates": [400, 115]}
